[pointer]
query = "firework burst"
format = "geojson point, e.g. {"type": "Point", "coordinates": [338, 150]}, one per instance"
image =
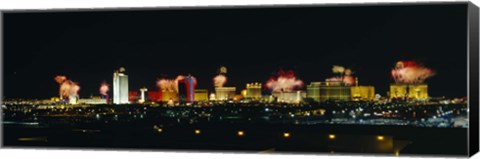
{"type": "Point", "coordinates": [410, 72]}
{"type": "Point", "coordinates": [67, 88]}
{"type": "Point", "coordinates": [284, 82]}
{"type": "Point", "coordinates": [104, 88]}
{"type": "Point", "coordinates": [219, 80]}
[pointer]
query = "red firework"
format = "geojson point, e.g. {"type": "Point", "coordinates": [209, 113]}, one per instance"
{"type": "Point", "coordinates": [284, 82]}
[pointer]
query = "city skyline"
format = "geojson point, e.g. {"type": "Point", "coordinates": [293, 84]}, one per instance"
{"type": "Point", "coordinates": [155, 44]}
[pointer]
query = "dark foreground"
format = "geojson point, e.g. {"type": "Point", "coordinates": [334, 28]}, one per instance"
{"type": "Point", "coordinates": [388, 140]}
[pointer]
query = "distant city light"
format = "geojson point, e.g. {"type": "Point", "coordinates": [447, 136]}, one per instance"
{"type": "Point", "coordinates": [286, 135]}
{"type": "Point", "coordinates": [197, 132]}
{"type": "Point", "coordinates": [240, 133]}
{"type": "Point", "coordinates": [331, 136]}
{"type": "Point", "coordinates": [380, 138]}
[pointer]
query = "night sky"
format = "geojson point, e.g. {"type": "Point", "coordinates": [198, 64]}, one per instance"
{"type": "Point", "coordinates": [253, 43]}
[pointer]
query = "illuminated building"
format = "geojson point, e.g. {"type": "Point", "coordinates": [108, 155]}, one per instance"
{"type": "Point", "coordinates": [224, 93]}
{"type": "Point", "coordinates": [92, 100]}
{"type": "Point", "coordinates": [362, 93]}
{"type": "Point", "coordinates": [168, 96]}
{"type": "Point", "coordinates": [189, 84]}
{"type": "Point", "coordinates": [418, 91]}
{"type": "Point", "coordinates": [212, 96]}
{"type": "Point", "coordinates": [254, 90]}
{"type": "Point", "coordinates": [336, 93]}
{"type": "Point", "coordinates": [313, 91]}
{"type": "Point", "coordinates": [120, 87]}
{"type": "Point", "coordinates": [339, 91]}
{"type": "Point", "coordinates": [289, 97]}
{"type": "Point", "coordinates": [398, 91]}
{"type": "Point", "coordinates": [142, 95]}
{"type": "Point", "coordinates": [409, 91]}
{"type": "Point", "coordinates": [243, 92]}
{"type": "Point", "coordinates": [201, 95]}
{"type": "Point", "coordinates": [182, 92]}
{"type": "Point", "coordinates": [323, 91]}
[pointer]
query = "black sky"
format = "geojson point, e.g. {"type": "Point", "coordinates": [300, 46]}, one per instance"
{"type": "Point", "coordinates": [252, 43]}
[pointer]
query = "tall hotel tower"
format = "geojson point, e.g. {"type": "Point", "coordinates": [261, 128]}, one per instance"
{"type": "Point", "coordinates": [120, 87]}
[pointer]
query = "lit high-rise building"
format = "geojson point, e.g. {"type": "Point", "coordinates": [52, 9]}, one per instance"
{"type": "Point", "coordinates": [186, 88]}
{"type": "Point", "coordinates": [254, 90]}
{"type": "Point", "coordinates": [323, 91]}
{"type": "Point", "coordinates": [120, 87]}
{"type": "Point", "coordinates": [339, 91]}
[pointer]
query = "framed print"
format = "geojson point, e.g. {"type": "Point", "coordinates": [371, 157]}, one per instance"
{"type": "Point", "coordinates": [382, 79]}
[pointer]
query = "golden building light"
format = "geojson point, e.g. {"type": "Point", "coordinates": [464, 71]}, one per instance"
{"type": "Point", "coordinates": [159, 130]}
{"type": "Point", "coordinates": [398, 91]}
{"type": "Point", "coordinates": [243, 93]}
{"type": "Point", "coordinates": [323, 91]}
{"type": "Point", "coordinates": [200, 95]}
{"type": "Point", "coordinates": [254, 90]}
{"type": "Point", "coordinates": [409, 91]}
{"type": "Point", "coordinates": [197, 131]}
{"type": "Point", "coordinates": [418, 91]}
{"type": "Point", "coordinates": [225, 93]}
{"type": "Point", "coordinates": [290, 97]}
{"type": "Point", "coordinates": [363, 93]}
{"type": "Point", "coordinates": [286, 135]}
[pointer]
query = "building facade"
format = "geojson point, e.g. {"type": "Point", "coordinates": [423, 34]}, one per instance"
{"type": "Point", "coordinates": [418, 91]}
{"type": "Point", "coordinates": [201, 95]}
{"type": "Point", "coordinates": [290, 97]}
{"type": "Point", "coordinates": [339, 91]}
{"type": "Point", "coordinates": [313, 91]}
{"type": "Point", "coordinates": [363, 93]}
{"type": "Point", "coordinates": [254, 91]}
{"type": "Point", "coordinates": [120, 87]}
{"type": "Point", "coordinates": [323, 91]}
{"type": "Point", "coordinates": [189, 83]}
{"type": "Point", "coordinates": [409, 91]}
{"type": "Point", "coordinates": [224, 93]}
{"type": "Point", "coordinates": [398, 91]}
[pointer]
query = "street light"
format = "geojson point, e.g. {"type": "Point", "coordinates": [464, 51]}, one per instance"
{"type": "Point", "coordinates": [240, 133]}
{"type": "Point", "coordinates": [331, 136]}
{"type": "Point", "coordinates": [380, 138]}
